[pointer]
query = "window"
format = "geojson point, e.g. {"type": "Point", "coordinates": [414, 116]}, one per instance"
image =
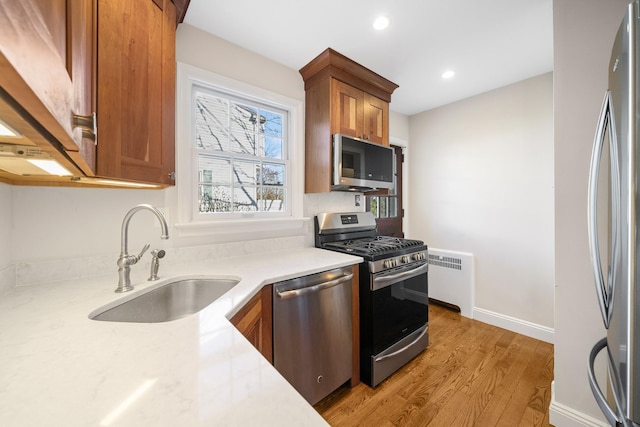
{"type": "Point", "coordinates": [239, 156]}
{"type": "Point", "coordinates": [241, 149]}
{"type": "Point", "coordinates": [387, 208]}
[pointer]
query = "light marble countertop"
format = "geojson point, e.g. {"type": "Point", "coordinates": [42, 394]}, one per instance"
{"type": "Point", "coordinates": [59, 368]}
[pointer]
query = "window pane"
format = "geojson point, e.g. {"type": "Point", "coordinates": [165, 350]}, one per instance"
{"type": "Point", "coordinates": [244, 199]}
{"type": "Point", "coordinates": [244, 126]}
{"type": "Point", "coordinates": [212, 122]}
{"type": "Point", "coordinates": [214, 169]}
{"type": "Point", "coordinates": [373, 206]}
{"type": "Point", "coordinates": [246, 172]}
{"type": "Point", "coordinates": [214, 198]}
{"type": "Point", "coordinates": [272, 124]}
{"type": "Point", "coordinates": [272, 199]}
{"type": "Point", "coordinates": [393, 207]}
{"type": "Point", "coordinates": [383, 207]}
{"type": "Point", "coordinates": [272, 174]}
{"type": "Point", "coordinates": [273, 148]}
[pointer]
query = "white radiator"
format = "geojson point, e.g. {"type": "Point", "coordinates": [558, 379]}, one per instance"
{"type": "Point", "coordinates": [451, 279]}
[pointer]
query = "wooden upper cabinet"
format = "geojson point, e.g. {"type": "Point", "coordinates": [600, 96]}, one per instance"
{"type": "Point", "coordinates": [376, 120]}
{"type": "Point", "coordinates": [347, 109]}
{"type": "Point", "coordinates": [136, 90]}
{"type": "Point", "coordinates": [358, 114]}
{"type": "Point", "coordinates": [45, 75]}
{"type": "Point", "coordinates": [344, 97]}
{"type": "Point", "coordinates": [65, 62]}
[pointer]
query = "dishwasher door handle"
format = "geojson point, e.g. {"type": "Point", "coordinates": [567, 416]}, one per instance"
{"type": "Point", "coordinates": [315, 288]}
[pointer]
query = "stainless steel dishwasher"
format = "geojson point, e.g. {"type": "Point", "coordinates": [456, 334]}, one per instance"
{"type": "Point", "coordinates": [312, 345]}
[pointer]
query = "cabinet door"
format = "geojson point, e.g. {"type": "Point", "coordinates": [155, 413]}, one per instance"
{"type": "Point", "coordinates": [376, 119]}
{"type": "Point", "coordinates": [136, 89]}
{"type": "Point", "coordinates": [254, 321]}
{"type": "Point", "coordinates": [45, 65]}
{"type": "Point", "coordinates": [347, 104]}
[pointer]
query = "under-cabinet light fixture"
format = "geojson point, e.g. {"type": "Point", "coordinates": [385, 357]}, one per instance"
{"type": "Point", "coordinates": [50, 166]}
{"type": "Point", "coordinates": [111, 182]}
{"type": "Point", "coordinates": [6, 130]}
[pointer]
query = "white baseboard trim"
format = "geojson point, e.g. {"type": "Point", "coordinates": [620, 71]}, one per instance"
{"type": "Point", "coordinates": [533, 330]}
{"type": "Point", "coordinates": [564, 416]}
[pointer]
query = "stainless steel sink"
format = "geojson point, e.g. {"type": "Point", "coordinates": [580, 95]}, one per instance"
{"type": "Point", "coordinates": [171, 301]}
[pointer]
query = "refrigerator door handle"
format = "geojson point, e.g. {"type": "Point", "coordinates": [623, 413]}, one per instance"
{"type": "Point", "coordinates": [604, 290]}
{"type": "Point", "coordinates": [601, 400]}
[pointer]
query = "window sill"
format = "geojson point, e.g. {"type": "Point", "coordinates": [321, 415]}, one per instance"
{"type": "Point", "coordinates": [239, 230]}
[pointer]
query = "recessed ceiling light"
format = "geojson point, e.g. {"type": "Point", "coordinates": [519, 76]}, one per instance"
{"type": "Point", "coordinates": [448, 74]}
{"type": "Point", "coordinates": [381, 23]}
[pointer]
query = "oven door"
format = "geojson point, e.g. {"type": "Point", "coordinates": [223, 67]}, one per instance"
{"type": "Point", "coordinates": [399, 304]}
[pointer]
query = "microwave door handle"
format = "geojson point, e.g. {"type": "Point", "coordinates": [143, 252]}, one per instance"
{"type": "Point", "coordinates": [592, 211]}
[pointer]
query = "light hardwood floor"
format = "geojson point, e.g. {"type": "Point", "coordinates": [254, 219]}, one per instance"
{"type": "Point", "coordinates": [472, 374]}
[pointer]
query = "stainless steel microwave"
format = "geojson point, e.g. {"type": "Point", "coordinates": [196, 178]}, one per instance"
{"type": "Point", "coordinates": [360, 165]}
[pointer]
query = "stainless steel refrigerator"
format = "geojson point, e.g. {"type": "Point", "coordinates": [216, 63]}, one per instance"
{"type": "Point", "coordinates": [616, 153]}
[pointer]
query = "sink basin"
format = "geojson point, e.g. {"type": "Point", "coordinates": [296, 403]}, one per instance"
{"type": "Point", "coordinates": [171, 301]}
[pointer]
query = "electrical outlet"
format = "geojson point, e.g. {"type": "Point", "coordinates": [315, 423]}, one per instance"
{"type": "Point", "coordinates": [357, 199]}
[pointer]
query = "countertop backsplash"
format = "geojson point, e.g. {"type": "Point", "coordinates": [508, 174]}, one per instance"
{"type": "Point", "coordinates": [7, 279]}
{"type": "Point", "coordinates": [39, 272]}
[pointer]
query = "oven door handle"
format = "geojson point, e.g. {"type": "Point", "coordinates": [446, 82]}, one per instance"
{"type": "Point", "coordinates": [403, 349]}
{"type": "Point", "coordinates": [380, 282]}
{"type": "Point", "coordinates": [315, 288]}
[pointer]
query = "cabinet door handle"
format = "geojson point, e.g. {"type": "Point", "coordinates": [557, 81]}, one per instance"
{"type": "Point", "coordinates": [88, 125]}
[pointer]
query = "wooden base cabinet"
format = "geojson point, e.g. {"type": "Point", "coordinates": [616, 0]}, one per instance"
{"type": "Point", "coordinates": [341, 96]}
{"type": "Point", "coordinates": [254, 321]}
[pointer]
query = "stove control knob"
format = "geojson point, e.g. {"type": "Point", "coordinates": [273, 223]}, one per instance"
{"type": "Point", "coordinates": [404, 259]}
{"type": "Point", "coordinates": [390, 263]}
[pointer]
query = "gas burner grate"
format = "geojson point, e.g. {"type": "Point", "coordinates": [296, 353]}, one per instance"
{"type": "Point", "coordinates": [373, 245]}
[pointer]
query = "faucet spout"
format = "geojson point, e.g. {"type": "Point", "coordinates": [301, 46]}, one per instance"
{"type": "Point", "coordinates": [125, 261]}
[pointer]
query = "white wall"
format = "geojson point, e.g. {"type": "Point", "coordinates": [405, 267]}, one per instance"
{"type": "Point", "coordinates": [482, 182]}
{"type": "Point", "coordinates": [5, 225]}
{"type": "Point", "coordinates": [398, 125]}
{"type": "Point", "coordinates": [61, 222]}
{"type": "Point", "coordinates": [584, 31]}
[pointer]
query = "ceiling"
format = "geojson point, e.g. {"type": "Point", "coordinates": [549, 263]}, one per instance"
{"type": "Point", "coordinates": [488, 43]}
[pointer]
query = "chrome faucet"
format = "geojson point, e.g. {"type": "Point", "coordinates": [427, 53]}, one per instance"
{"type": "Point", "coordinates": [125, 261]}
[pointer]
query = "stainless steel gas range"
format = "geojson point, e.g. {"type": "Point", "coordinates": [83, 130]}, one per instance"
{"type": "Point", "coordinates": [394, 315]}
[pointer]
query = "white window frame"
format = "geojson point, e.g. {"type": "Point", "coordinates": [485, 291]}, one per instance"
{"type": "Point", "coordinates": [242, 226]}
